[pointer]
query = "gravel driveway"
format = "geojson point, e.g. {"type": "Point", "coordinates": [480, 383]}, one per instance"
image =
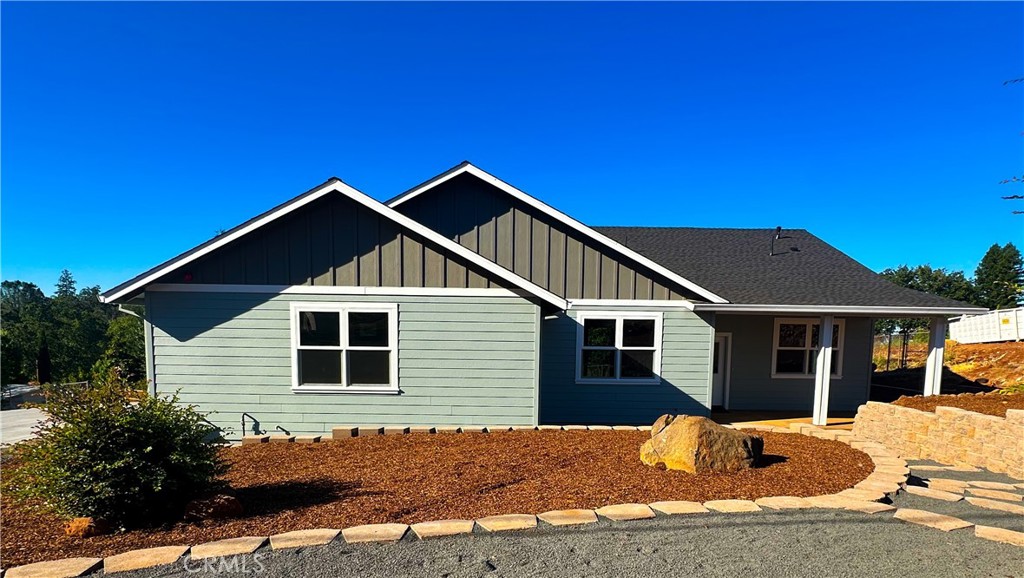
{"type": "Point", "coordinates": [808, 543]}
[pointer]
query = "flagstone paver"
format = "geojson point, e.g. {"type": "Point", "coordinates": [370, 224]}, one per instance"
{"type": "Point", "coordinates": [674, 507]}
{"type": "Point", "coordinates": [66, 568]}
{"type": "Point", "coordinates": [228, 547]}
{"type": "Point", "coordinates": [300, 538]}
{"type": "Point", "coordinates": [146, 558]}
{"type": "Point", "coordinates": [934, 494]}
{"type": "Point", "coordinates": [730, 506]}
{"type": "Point", "coordinates": [947, 485]}
{"type": "Point", "coordinates": [783, 502]}
{"type": "Point", "coordinates": [568, 517]}
{"type": "Point", "coordinates": [374, 533]}
{"type": "Point", "coordinates": [862, 494]}
{"type": "Point", "coordinates": [395, 430]}
{"type": "Point", "coordinates": [996, 505]}
{"type": "Point", "coordinates": [308, 439]}
{"type": "Point", "coordinates": [867, 507]}
{"type": "Point", "coordinates": [993, 486]}
{"type": "Point", "coordinates": [624, 512]}
{"type": "Point", "coordinates": [1000, 535]}
{"type": "Point", "coordinates": [508, 522]}
{"type": "Point", "coordinates": [931, 519]}
{"type": "Point", "coordinates": [996, 494]}
{"type": "Point", "coordinates": [437, 528]}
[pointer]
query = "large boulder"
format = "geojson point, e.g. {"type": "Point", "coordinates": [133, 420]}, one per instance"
{"type": "Point", "coordinates": [696, 445]}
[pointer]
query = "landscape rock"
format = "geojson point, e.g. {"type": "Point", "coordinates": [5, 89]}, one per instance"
{"type": "Point", "coordinates": [696, 444]}
{"type": "Point", "coordinates": [86, 527]}
{"type": "Point", "coordinates": [218, 507]}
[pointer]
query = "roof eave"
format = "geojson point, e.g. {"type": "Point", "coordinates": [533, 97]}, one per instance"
{"type": "Point", "coordinates": [878, 310]}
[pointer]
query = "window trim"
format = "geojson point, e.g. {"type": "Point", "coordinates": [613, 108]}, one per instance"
{"type": "Point", "coordinates": [837, 369]}
{"type": "Point", "coordinates": [619, 316]}
{"type": "Point", "coordinates": [343, 309]}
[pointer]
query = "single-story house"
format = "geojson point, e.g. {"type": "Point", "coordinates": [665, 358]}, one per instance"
{"type": "Point", "coordinates": [465, 301]}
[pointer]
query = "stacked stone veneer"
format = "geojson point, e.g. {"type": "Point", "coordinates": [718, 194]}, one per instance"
{"type": "Point", "coordinates": [949, 435]}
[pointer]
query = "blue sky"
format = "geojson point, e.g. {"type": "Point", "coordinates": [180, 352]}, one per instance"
{"type": "Point", "coordinates": [132, 132]}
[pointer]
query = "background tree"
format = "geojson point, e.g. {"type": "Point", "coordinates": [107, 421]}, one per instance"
{"type": "Point", "coordinates": [949, 284]}
{"type": "Point", "coordinates": [126, 350]}
{"type": "Point", "coordinates": [25, 317]}
{"type": "Point", "coordinates": [1000, 277]}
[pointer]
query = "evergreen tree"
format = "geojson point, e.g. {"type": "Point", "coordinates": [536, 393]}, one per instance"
{"type": "Point", "coordinates": [999, 277]}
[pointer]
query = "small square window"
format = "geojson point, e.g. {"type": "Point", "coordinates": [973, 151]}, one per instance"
{"type": "Point", "coordinates": [322, 366]}
{"type": "Point", "coordinates": [599, 332]}
{"type": "Point", "coordinates": [638, 333]}
{"type": "Point", "coordinates": [319, 328]}
{"type": "Point", "coordinates": [368, 329]}
{"type": "Point", "coordinates": [598, 363]}
{"type": "Point", "coordinates": [369, 367]}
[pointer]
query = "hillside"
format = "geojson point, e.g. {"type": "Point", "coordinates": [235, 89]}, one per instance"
{"type": "Point", "coordinates": [995, 364]}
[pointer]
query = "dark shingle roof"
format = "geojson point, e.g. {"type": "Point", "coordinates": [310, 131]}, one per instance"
{"type": "Point", "coordinates": [735, 263]}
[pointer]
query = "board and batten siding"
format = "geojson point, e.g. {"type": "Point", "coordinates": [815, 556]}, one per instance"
{"type": "Point", "coordinates": [751, 386]}
{"type": "Point", "coordinates": [461, 361]}
{"type": "Point", "coordinates": [333, 241]}
{"type": "Point", "coordinates": [687, 339]}
{"type": "Point", "coordinates": [534, 245]}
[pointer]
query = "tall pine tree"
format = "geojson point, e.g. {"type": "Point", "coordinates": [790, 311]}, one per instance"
{"type": "Point", "coordinates": [999, 277]}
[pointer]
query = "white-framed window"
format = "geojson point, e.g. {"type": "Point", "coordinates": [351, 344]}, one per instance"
{"type": "Point", "coordinates": [344, 347]}
{"type": "Point", "coordinates": [795, 347]}
{"type": "Point", "coordinates": [618, 347]}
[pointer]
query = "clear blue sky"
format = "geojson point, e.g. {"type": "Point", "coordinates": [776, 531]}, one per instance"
{"type": "Point", "coordinates": [132, 132]}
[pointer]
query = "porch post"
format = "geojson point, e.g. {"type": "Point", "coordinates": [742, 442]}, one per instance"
{"type": "Point", "coordinates": [936, 348]}
{"type": "Point", "coordinates": [822, 371]}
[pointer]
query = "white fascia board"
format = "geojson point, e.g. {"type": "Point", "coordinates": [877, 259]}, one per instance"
{"type": "Point", "coordinates": [373, 205]}
{"type": "Point", "coordinates": [882, 310]}
{"type": "Point", "coordinates": [559, 216]}
{"type": "Point", "coordinates": [631, 303]}
{"type": "Point", "coordinates": [333, 290]}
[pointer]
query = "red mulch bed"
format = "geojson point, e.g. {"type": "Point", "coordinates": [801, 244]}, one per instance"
{"type": "Point", "coordinates": [987, 403]}
{"type": "Point", "coordinates": [420, 477]}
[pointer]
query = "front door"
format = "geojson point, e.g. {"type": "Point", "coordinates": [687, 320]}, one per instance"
{"type": "Point", "coordinates": [719, 371]}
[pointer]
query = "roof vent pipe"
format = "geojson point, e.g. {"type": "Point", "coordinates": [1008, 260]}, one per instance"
{"type": "Point", "coordinates": [777, 235]}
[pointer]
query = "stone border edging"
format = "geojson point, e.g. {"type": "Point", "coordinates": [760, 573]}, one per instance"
{"type": "Point", "coordinates": [890, 475]}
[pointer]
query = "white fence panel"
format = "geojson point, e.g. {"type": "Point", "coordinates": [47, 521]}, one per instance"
{"type": "Point", "coordinates": [1001, 325]}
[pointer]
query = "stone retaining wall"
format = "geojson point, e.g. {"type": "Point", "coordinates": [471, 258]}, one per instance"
{"type": "Point", "coordinates": [949, 435]}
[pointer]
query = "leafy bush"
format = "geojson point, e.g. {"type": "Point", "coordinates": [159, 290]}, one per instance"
{"type": "Point", "coordinates": [111, 452]}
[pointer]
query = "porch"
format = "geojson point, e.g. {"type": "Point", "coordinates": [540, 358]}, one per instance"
{"type": "Point", "coordinates": [803, 364]}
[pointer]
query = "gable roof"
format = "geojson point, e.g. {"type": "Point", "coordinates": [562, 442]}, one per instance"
{"type": "Point", "coordinates": [803, 271]}
{"type": "Point", "coordinates": [333, 185]}
{"type": "Point", "coordinates": [652, 264]}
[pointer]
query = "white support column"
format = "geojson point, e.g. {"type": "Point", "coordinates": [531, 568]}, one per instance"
{"type": "Point", "coordinates": [936, 348]}
{"type": "Point", "coordinates": [822, 371]}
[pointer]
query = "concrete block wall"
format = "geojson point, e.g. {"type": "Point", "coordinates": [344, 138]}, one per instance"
{"type": "Point", "coordinates": [949, 435]}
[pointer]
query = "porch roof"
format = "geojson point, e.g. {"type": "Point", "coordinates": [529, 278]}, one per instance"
{"type": "Point", "coordinates": [802, 274]}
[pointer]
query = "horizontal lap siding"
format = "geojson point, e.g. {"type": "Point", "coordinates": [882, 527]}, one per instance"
{"type": "Point", "coordinates": [685, 369]}
{"type": "Point", "coordinates": [752, 387]}
{"type": "Point", "coordinates": [462, 361]}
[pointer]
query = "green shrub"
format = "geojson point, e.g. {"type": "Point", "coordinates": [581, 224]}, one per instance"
{"type": "Point", "coordinates": [109, 451]}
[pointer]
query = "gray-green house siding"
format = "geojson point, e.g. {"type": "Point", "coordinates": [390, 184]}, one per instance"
{"type": "Point", "coordinates": [462, 361]}
{"type": "Point", "coordinates": [751, 385]}
{"type": "Point", "coordinates": [685, 373]}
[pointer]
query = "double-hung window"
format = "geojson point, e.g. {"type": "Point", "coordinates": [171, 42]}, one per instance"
{"type": "Point", "coordinates": [796, 347]}
{"type": "Point", "coordinates": [618, 347]}
{"type": "Point", "coordinates": [339, 347]}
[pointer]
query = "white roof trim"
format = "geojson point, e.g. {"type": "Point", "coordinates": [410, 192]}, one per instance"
{"type": "Point", "coordinates": [631, 303]}
{"type": "Point", "coordinates": [558, 215]}
{"type": "Point", "coordinates": [883, 310]}
{"type": "Point", "coordinates": [361, 198]}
